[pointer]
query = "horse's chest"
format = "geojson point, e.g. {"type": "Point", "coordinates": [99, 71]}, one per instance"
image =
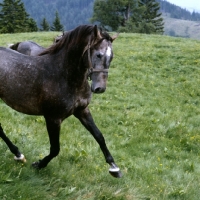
{"type": "Point", "coordinates": [82, 97]}
{"type": "Point", "coordinates": [81, 102]}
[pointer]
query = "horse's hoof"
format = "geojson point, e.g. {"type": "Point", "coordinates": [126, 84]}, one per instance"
{"type": "Point", "coordinates": [116, 174]}
{"type": "Point", "coordinates": [21, 158]}
{"type": "Point", "coordinates": [115, 171]}
{"type": "Point", "coordinates": [36, 165]}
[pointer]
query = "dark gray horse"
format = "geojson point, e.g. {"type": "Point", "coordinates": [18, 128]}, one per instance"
{"type": "Point", "coordinates": [55, 85]}
{"type": "Point", "coordinates": [31, 48]}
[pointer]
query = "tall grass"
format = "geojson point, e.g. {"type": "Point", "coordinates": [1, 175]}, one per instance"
{"type": "Point", "coordinates": [149, 116]}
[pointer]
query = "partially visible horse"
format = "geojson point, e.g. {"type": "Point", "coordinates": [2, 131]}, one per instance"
{"type": "Point", "coordinates": [55, 85]}
{"type": "Point", "coordinates": [31, 48]}
{"type": "Point", "coordinates": [28, 48]}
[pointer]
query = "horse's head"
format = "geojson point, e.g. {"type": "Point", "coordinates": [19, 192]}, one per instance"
{"type": "Point", "coordinates": [100, 55]}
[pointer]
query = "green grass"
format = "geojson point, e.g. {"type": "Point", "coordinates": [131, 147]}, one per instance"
{"type": "Point", "coordinates": [150, 118]}
{"type": "Point", "coordinates": [43, 38]}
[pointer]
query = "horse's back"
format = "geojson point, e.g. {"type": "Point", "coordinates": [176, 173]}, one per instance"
{"type": "Point", "coordinates": [8, 56]}
{"type": "Point", "coordinates": [13, 63]}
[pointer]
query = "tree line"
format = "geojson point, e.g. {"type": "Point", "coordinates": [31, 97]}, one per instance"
{"type": "Point", "coordinates": [142, 16]}
{"type": "Point", "coordinates": [75, 12]}
{"type": "Point", "coordinates": [15, 19]}
{"type": "Point", "coordinates": [178, 12]}
{"type": "Point", "coordinates": [130, 16]}
{"type": "Point", "coordinates": [138, 16]}
{"type": "Point", "coordinates": [71, 12]}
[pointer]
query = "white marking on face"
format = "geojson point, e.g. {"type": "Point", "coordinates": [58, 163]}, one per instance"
{"type": "Point", "coordinates": [108, 52]}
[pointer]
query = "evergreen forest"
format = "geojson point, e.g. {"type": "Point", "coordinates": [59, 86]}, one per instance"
{"type": "Point", "coordinates": [75, 12]}
{"type": "Point", "coordinates": [71, 12]}
{"type": "Point", "coordinates": [178, 12]}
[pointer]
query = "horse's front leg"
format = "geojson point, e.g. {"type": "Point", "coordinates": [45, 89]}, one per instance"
{"type": "Point", "coordinates": [14, 149]}
{"type": "Point", "coordinates": [86, 119]}
{"type": "Point", "coordinates": [53, 128]}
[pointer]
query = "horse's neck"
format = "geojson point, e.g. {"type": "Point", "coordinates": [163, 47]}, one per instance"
{"type": "Point", "coordinates": [75, 70]}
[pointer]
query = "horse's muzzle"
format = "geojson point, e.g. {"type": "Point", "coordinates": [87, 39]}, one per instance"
{"type": "Point", "coordinates": [98, 90]}
{"type": "Point", "coordinates": [99, 80]}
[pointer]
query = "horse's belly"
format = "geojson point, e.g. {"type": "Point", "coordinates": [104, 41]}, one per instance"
{"type": "Point", "coordinates": [26, 107]}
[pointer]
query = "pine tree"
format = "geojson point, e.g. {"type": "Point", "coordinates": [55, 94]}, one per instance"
{"type": "Point", "coordinates": [128, 15]}
{"type": "Point", "coordinates": [151, 20]}
{"type": "Point", "coordinates": [45, 25]}
{"type": "Point", "coordinates": [132, 25]}
{"type": "Point", "coordinates": [14, 18]}
{"type": "Point", "coordinates": [57, 26]}
{"type": "Point", "coordinates": [112, 13]}
{"type": "Point", "coordinates": [32, 25]}
{"type": "Point", "coordinates": [152, 16]}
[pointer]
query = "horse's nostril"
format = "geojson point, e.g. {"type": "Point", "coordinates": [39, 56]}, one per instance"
{"type": "Point", "coordinates": [99, 90]}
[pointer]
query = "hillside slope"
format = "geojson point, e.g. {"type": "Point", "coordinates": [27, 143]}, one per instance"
{"type": "Point", "coordinates": [182, 28]}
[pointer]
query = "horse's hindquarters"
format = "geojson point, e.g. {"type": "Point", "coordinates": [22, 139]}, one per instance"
{"type": "Point", "coordinates": [19, 82]}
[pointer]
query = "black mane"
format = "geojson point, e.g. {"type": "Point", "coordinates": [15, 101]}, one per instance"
{"type": "Point", "coordinates": [76, 37]}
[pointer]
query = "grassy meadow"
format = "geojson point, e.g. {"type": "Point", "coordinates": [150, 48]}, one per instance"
{"type": "Point", "coordinates": [149, 116]}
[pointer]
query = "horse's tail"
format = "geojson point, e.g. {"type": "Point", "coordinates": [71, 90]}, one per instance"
{"type": "Point", "coordinates": [14, 46]}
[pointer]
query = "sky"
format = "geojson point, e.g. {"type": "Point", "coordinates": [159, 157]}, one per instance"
{"type": "Point", "coordinates": [188, 4]}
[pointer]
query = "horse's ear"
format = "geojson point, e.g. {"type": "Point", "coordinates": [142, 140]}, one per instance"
{"type": "Point", "coordinates": [114, 36]}
{"type": "Point", "coordinates": [96, 32]}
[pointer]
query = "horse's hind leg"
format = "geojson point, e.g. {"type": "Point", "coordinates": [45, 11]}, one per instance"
{"type": "Point", "coordinates": [11, 146]}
